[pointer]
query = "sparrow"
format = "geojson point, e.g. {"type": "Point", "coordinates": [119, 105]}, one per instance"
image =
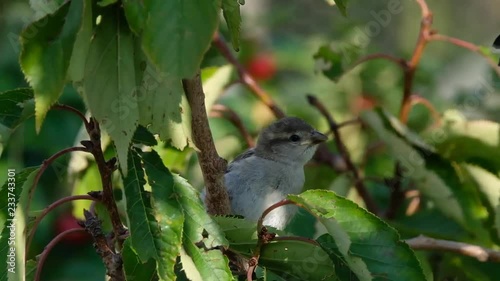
{"type": "Point", "coordinates": [274, 168]}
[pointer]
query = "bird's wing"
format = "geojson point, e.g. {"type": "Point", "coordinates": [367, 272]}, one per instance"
{"type": "Point", "coordinates": [240, 157]}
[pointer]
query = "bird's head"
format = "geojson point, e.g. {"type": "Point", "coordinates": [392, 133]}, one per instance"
{"type": "Point", "coordinates": [290, 140]}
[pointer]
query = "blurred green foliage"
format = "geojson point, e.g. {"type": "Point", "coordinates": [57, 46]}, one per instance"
{"type": "Point", "coordinates": [292, 31]}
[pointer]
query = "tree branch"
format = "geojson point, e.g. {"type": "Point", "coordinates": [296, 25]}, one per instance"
{"type": "Point", "coordinates": [358, 181]}
{"type": "Point", "coordinates": [219, 110]}
{"type": "Point", "coordinates": [480, 253]}
{"type": "Point", "coordinates": [246, 78]}
{"type": "Point", "coordinates": [106, 169]}
{"type": "Point", "coordinates": [212, 165]}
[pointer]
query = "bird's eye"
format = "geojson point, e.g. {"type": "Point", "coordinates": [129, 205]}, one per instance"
{"type": "Point", "coordinates": [294, 138]}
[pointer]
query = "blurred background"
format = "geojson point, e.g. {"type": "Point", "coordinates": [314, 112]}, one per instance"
{"type": "Point", "coordinates": [280, 39]}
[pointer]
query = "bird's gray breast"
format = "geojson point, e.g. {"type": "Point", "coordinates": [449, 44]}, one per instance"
{"type": "Point", "coordinates": [255, 183]}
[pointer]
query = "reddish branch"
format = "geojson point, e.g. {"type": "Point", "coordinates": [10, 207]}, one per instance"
{"type": "Point", "coordinates": [246, 78]}
{"type": "Point", "coordinates": [52, 206]}
{"type": "Point", "coordinates": [212, 165]}
{"type": "Point", "coordinates": [219, 110]}
{"type": "Point", "coordinates": [46, 163]}
{"type": "Point", "coordinates": [49, 247]}
{"type": "Point", "coordinates": [358, 181]}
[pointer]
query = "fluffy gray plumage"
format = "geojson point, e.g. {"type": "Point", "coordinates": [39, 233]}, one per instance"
{"type": "Point", "coordinates": [264, 175]}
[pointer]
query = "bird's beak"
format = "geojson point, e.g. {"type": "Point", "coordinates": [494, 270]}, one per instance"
{"type": "Point", "coordinates": [317, 137]}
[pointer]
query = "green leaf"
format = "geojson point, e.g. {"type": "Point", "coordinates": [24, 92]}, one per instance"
{"type": "Point", "coordinates": [89, 181]}
{"type": "Point", "coordinates": [202, 238]}
{"type": "Point", "coordinates": [342, 5]}
{"type": "Point", "coordinates": [369, 246]}
{"type": "Point", "coordinates": [176, 43]}
{"type": "Point", "coordinates": [297, 260]}
{"type": "Point", "coordinates": [134, 268]}
{"type": "Point", "coordinates": [489, 185]}
{"type": "Point", "coordinates": [81, 47]}
{"type": "Point", "coordinates": [104, 3]}
{"type": "Point", "coordinates": [16, 106]}
{"type": "Point", "coordinates": [109, 83]}
{"type": "Point", "coordinates": [135, 14]}
{"type": "Point", "coordinates": [13, 196]}
{"type": "Point", "coordinates": [214, 80]}
{"type": "Point", "coordinates": [166, 208]}
{"type": "Point", "coordinates": [475, 142]}
{"type": "Point", "coordinates": [47, 45]}
{"type": "Point", "coordinates": [163, 108]}
{"type": "Point", "coordinates": [334, 59]}
{"type": "Point", "coordinates": [231, 13]}
{"type": "Point", "coordinates": [435, 177]}
{"type": "Point", "coordinates": [142, 135]}
{"type": "Point", "coordinates": [292, 260]}
{"type": "Point", "coordinates": [31, 266]}
{"type": "Point", "coordinates": [155, 219]}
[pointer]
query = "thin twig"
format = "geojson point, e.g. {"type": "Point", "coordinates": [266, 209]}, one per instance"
{"type": "Point", "coordinates": [73, 110]}
{"type": "Point", "coordinates": [219, 110]}
{"type": "Point", "coordinates": [49, 247]}
{"type": "Point", "coordinates": [469, 46]}
{"type": "Point", "coordinates": [416, 99]}
{"type": "Point", "coordinates": [480, 253]}
{"type": "Point", "coordinates": [246, 78]}
{"type": "Point", "coordinates": [45, 164]}
{"type": "Point", "coordinates": [52, 206]}
{"type": "Point", "coordinates": [358, 182]}
{"type": "Point", "coordinates": [398, 61]}
{"type": "Point", "coordinates": [212, 165]}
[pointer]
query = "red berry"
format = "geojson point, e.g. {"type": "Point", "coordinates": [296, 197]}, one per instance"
{"type": "Point", "coordinates": [68, 221]}
{"type": "Point", "coordinates": [262, 67]}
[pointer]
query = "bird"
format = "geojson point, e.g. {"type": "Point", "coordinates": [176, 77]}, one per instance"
{"type": "Point", "coordinates": [266, 174]}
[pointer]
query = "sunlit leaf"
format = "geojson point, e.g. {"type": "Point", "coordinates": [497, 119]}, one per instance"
{"type": "Point", "coordinates": [476, 142]}
{"type": "Point", "coordinates": [163, 108]}
{"type": "Point", "coordinates": [214, 80]}
{"type": "Point", "coordinates": [47, 45]}
{"type": "Point", "coordinates": [109, 83]}
{"type": "Point", "coordinates": [174, 42]}
{"type": "Point", "coordinates": [89, 181]}
{"type": "Point", "coordinates": [13, 196]}
{"type": "Point", "coordinates": [155, 219]}
{"type": "Point", "coordinates": [367, 244]}
{"type": "Point", "coordinates": [435, 177]}
{"type": "Point", "coordinates": [489, 185]}
{"type": "Point", "coordinates": [203, 239]}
